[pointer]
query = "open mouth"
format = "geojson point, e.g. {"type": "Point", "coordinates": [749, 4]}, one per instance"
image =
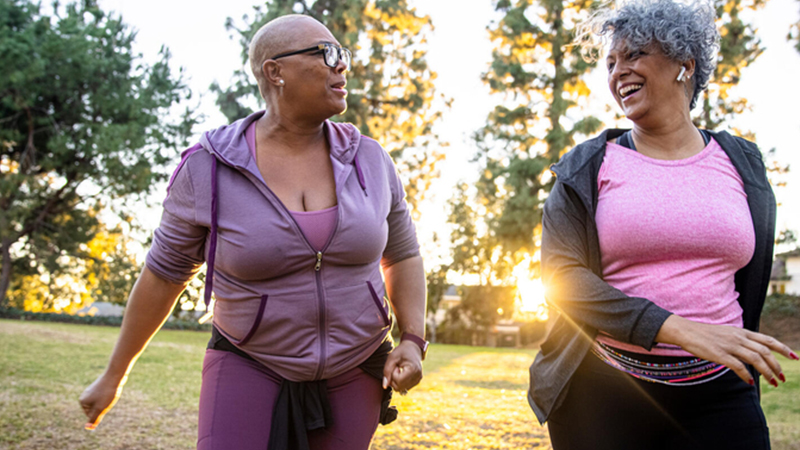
{"type": "Point", "coordinates": [629, 89]}
{"type": "Point", "coordinates": [339, 85]}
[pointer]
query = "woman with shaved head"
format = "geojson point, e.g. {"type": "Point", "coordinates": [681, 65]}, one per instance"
{"type": "Point", "coordinates": [295, 217]}
{"type": "Point", "coordinates": [656, 249]}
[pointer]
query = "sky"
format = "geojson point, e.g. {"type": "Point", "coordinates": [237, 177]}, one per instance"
{"type": "Point", "coordinates": [459, 52]}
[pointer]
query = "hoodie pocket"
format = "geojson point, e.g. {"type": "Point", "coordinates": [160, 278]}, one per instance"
{"type": "Point", "coordinates": [379, 304]}
{"type": "Point", "coordinates": [256, 323]}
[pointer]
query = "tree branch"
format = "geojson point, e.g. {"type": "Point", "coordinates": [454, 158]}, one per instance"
{"type": "Point", "coordinates": [45, 211]}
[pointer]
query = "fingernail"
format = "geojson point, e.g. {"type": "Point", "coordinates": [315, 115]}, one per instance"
{"type": "Point", "coordinates": [385, 382]}
{"type": "Point", "coordinates": [751, 382]}
{"type": "Point", "coordinates": [783, 378]}
{"type": "Point", "coordinates": [89, 427]}
{"type": "Point", "coordinates": [794, 356]}
{"type": "Point", "coordinates": [773, 382]}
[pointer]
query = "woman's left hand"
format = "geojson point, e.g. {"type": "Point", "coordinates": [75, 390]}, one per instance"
{"type": "Point", "coordinates": [730, 346]}
{"type": "Point", "coordinates": [403, 369]}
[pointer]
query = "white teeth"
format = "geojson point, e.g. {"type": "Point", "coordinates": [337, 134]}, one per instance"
{"type": "Point", "coordinates": [627, 89]}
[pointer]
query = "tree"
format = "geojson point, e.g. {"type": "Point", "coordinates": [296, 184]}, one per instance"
{"type": "Point", "coordinates": [391, 91]}
{"type": "Point", "coordinates": [540, 77]}
{"type": "Point", "coordinates": [104, 270]}
{"type": "Point", "coordinates": [436, 281]}
{"type": "Point", "coordinates": [481, 307]}
{"type": "Point", "coordinates": [739, 47]}
{"type": "Point", "coordinates": [111, 266]}
{"type": "Point", "coordinates": [794, 35]}
{"type": "Point", "coordinates": [83, 123]}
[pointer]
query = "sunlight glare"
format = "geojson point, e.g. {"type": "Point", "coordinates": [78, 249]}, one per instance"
{"type": "Point", "coordinates": [531, 293]}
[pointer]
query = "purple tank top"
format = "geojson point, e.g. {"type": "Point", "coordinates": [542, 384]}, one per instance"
{"type": "Point", "coordinates": [317, 226]}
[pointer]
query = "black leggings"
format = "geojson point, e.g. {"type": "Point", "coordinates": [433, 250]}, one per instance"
{"type": "Point", "coordinates": [608, 409]}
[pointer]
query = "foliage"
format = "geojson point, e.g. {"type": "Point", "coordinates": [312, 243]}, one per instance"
{"type": "Point", "coordinates": [475, 250]}
{"type": "Point", "coordinates": [391, 89]}
{"type": "Point", "coordinates": [481, 307]}
{"type": "Point", "coordinates": [794, 35]}
{"type": "Point", "coordinates": [83, 121]}
{"type": "Point", "coordinates": [105, 272]}
{"type": "Point", "coordinates": [781, 305]}
{"type": "Point", "coordinates": [786, 237]}
{"type": "Point", "coordinates": [436, 280]}
{"type": "Point", "coordinates": [192, 297]}
{"type": "Point", "coordinates": [541, 80]}
{"type": "Point", "coordinates": [739, 47]}
{"type": "Point", "coordinates": [110, 321]}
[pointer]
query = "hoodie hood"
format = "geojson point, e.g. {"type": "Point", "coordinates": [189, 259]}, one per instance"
{"type": "Point", "coordinates": [229, 145]}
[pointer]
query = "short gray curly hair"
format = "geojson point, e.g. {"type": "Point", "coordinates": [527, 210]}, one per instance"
{"type": "Point", "coordinates": [683, 31]}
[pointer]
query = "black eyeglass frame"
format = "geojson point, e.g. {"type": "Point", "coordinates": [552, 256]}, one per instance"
{"type": "Point", "coordinates": [321, 48]}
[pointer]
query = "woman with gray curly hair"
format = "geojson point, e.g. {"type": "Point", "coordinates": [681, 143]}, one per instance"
{"type": "Point", "coordinates": [656, 249]}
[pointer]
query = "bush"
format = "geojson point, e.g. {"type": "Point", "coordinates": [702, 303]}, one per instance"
{"type": "Point", "coordinates": [781, 305]}
{"type": "Point", "coordinates": [18, 314]}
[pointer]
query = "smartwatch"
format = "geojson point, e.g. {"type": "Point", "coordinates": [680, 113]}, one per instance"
{"type": "Point", "coordinates": [421, 343]}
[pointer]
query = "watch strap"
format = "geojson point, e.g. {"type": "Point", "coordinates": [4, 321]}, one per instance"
{"type": "Point", "coordinates": [421, 343]}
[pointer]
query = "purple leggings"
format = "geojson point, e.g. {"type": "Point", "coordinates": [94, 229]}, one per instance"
{"type": "Point", "coordinates": [238, 395]}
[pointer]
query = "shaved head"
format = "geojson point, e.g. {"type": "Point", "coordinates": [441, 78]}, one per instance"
{"type": "Point", "coordinates": [278, 36]}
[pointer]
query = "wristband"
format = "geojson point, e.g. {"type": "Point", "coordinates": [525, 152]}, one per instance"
{"type": "Point", "coordinates": [421, 343]}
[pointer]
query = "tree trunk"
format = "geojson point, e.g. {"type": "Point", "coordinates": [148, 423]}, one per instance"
{"type": "Point", "coordinates": [5, 272]}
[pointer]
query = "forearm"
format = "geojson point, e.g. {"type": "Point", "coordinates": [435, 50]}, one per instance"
{"type": "Point", "coordinates": [587, 299]}
{"type": "Point", "coordinates": [405, 285]}
{"type": "Point", "coordinates": [150, 303]}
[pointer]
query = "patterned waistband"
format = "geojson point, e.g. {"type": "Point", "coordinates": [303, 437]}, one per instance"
{"type": "Point", "coordinates": [682, 372]}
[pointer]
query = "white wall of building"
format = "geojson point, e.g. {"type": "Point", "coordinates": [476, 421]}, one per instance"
{"type": "Point", "coordinates": [793, 270]}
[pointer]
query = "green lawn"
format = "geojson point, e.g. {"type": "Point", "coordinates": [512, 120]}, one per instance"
{"type": "Point", "coordinates": [471, 398]}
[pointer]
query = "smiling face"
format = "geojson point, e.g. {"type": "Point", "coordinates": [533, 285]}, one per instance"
{"type": "Point", "coordinates": [644, 84]}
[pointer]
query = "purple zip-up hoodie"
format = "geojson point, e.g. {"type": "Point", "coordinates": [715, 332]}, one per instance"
{"type": "Point", "coordinates": [307, 315]}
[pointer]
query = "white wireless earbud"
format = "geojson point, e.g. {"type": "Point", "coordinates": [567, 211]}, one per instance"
{"type": "Point", "coordinates": [683, 71]}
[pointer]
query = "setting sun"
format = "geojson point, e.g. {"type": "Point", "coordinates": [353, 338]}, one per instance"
{"type": "Point", "coordinates": [531, 292]}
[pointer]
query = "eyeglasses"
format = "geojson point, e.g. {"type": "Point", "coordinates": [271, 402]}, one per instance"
{"type": "Point", "coordinates": [332, 54]}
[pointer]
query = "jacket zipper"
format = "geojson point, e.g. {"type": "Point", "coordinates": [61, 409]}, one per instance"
{"type": "Point", "coordinates": [323, 319]}
{"type": "Point", "coordinates": [323, 313]}
{"type": "Point", "coordinates": [317, 265]}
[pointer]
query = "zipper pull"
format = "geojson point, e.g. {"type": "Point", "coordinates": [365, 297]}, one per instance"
{"type": "Point", "coordinates": [319, 261]}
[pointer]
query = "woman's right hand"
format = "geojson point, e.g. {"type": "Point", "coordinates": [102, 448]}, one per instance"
{"type": "Point", "coordinates": [99, 398]}
{"type": "Point", "coordinates": [149, 305]}
{"type": "Point", "coordinates": [730, 346]}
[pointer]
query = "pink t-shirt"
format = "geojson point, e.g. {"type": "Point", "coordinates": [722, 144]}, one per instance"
{"type": "Point", "coordinates": [674, 232]}
{"type": "Point", "coordinates": [317, 226]}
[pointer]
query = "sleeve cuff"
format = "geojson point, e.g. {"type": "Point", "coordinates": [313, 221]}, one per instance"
{"type": "Point", "coordinates": [648, 326]}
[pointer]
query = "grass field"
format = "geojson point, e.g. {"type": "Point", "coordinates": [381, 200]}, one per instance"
{"type": "Point", "coordinates": [471, 398]}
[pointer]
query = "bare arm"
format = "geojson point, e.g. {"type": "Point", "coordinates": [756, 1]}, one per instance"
{"type": "Point", "coordinates": [730, 346]}
{"type": "Point", "coordinates": [405, 284]}
{"type": "Point", "coordinates": [149, 305]}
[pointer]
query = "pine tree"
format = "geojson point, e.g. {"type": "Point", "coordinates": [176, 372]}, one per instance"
{"type": "Point", "coordinates": [391, 89]}
{"type": "Point", "coordinates": [540, 77]}
{"type": "Point", "coordinates": [739, 47]}
{"type": "Point", "coordinates": [82, 120]}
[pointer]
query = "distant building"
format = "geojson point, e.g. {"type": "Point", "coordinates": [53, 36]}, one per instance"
{"type": "Point", "coordinates": [506, 333]}
{"type": "Point", "coordinates": [450, 298]}
{"type": "Point", "coordinates": [785, 277]}
{"type": "Point", "coordinates": [101, 309]}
